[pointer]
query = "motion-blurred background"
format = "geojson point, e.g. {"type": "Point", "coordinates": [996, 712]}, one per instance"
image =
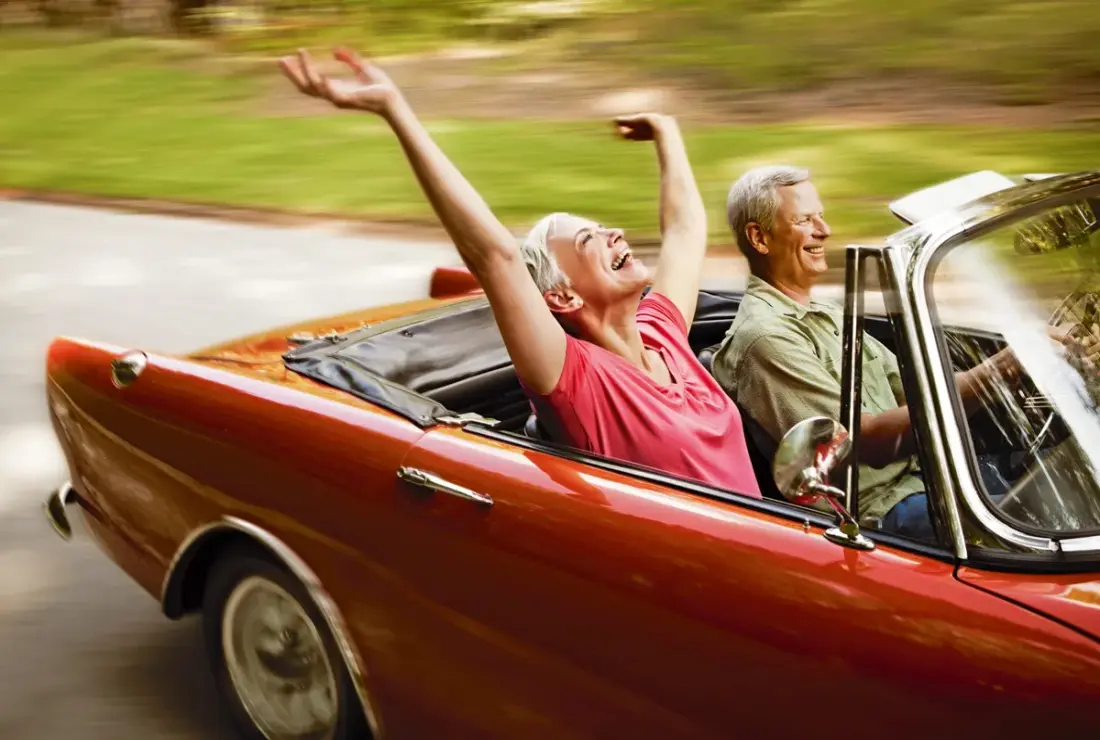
{"type": "Point", "coordinates": [176, 107]}
{"type": "Point", "coordinates": [180, 99]}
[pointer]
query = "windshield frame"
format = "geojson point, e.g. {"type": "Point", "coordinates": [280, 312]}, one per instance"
{"type": "Point", "coordinates": [929, 243]}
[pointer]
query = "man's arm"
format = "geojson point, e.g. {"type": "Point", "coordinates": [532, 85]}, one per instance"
{"type": "Point", "coordinates": [781, 381]}
{"type": "Point", "coordinates": [534, 338]}
{"type": "Point", "coordinates": [891, 431]}
{"type": "Point", "coordinates": [682, 213]}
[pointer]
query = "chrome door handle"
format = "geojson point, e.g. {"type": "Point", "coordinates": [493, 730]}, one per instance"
{"type": "Point", "coordinates": [423, 479]}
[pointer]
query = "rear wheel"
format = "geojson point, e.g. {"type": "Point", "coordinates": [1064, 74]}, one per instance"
{"type": "Point", "coordinates": [275, 662]}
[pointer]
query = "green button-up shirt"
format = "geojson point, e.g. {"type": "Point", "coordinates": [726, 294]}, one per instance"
{"type": "Point", "coordinates": [781, 362]}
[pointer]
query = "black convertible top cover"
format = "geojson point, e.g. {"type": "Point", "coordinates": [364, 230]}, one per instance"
{"type": "Point", "coordinates": [427, 365]}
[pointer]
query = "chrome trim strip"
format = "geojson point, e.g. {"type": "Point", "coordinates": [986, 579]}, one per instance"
{"type": "Point", "coordinates": [432, 482]}
{"type": "Point", "coordinates": [895, 260]}
{"type": "Point", "coordinates": [55, 506]}
{"type": "Point", "coordinates": [184, 550]}
{"type": "Point", "coordinates": [1080, 544]}
{"type": "Point", "coordinates": [935, 236]}
{"type": "Point", "coordinates": [309, 579]}
{"type": "Point", "coordinates": [851, 373]}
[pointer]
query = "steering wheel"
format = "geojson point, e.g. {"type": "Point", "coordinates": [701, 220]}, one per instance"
{"type": "Point", "coordinates": [1020, 420]}
{"type": "Point", "coordinates": [1077, 312]}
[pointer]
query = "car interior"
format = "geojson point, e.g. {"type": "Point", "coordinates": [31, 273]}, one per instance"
{"type": "Point", "coordinates": [450, 361]}
{"type": "Point", "coordinates": [453, 361]}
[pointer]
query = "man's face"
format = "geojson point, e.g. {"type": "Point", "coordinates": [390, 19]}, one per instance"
{"type": "Point", "coordinates": [795, 246]}
{"type": "Point", "coordinates": [598, 261]}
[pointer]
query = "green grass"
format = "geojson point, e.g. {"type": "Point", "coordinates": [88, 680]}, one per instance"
{"type": "Point", "coordinates": [136, 118]}
{"type": "Point", "coordinates": [1020, 50]}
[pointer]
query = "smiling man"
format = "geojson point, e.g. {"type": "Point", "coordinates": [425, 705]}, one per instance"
{"type": "Point", "coordinates": [781, 358]}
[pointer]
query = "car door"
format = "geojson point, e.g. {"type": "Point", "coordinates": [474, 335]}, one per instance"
{"type": "Point", "coordinates": [591, 601]}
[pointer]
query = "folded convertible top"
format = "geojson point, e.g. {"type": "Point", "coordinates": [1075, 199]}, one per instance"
{"type": "Point", "coordinates": [431, 365]}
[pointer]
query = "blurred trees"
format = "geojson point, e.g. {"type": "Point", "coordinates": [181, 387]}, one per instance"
{"type": "Point", "coordinates": [1025, 44]}
{"type": "Point", "coordinates": [1030, 48]}
{"type": "Point", "coordinates": [438, 17]}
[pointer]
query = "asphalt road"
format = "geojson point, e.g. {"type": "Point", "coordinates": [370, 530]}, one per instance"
{"type": "Point", "coordinates": [84, 653]}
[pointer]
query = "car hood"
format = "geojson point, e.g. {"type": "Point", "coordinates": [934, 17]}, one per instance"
{"type": "Point", "coordinates": [1073, 599]}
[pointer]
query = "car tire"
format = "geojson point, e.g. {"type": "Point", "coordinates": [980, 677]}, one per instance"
{"type": "Point", "coordinates": [275, 662]}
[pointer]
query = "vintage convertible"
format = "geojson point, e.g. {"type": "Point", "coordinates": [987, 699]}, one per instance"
{"type": "Point", "coordinates": [384, 544]}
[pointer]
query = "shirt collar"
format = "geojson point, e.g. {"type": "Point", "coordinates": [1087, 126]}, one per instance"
{"type": "Point", "coordinates": [781, 303]}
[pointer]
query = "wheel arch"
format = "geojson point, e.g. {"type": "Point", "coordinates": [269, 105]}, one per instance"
{"type": "Point", "coordinates": [181, 591]}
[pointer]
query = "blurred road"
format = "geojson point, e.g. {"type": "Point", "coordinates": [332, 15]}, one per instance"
{"type": "Point", "coordinates": [84, 653]}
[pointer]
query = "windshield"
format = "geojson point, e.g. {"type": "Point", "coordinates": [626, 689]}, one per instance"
{"type": "Point", "coordinates": [1019, 311]}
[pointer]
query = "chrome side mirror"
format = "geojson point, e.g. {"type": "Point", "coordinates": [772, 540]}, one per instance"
{"type": "Point", "coordinates": [806, 456]}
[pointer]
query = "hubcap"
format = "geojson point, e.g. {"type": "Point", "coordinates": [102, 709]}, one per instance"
{"type": "Point", "coordinates": [278, 663]}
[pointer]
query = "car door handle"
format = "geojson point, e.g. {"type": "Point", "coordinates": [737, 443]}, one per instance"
{"type": "Point", "coordinates": [424, 479]}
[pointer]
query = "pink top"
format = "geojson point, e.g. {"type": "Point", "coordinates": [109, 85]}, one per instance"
{"type": "Point", "coordinates": [689, 428]}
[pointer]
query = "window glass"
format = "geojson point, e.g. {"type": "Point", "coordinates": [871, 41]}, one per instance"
{"type": "Point", "coordinates": [1019, 309]}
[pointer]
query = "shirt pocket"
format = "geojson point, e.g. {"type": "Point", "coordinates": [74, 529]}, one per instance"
{"type": "Point", "coordinates": [876, 391]}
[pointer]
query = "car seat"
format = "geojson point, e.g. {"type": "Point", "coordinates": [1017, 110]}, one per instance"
{"type": "Point", "coordinates": [760, 444]}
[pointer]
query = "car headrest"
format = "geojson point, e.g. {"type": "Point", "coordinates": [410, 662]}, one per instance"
{"type": "Point", "coordinates": [706, 358]}
{"type": "Point", "coordinates": [534, 430]}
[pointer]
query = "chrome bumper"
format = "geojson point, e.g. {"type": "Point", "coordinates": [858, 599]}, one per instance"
{"type": "Point", "coordinates": [55, 510]}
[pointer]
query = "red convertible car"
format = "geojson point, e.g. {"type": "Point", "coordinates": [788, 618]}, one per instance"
{"type": "Point", "coordinates": [382, 542]}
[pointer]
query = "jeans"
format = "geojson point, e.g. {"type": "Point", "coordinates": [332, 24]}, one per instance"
{"type": "Point", "coordinates": [911, 517]}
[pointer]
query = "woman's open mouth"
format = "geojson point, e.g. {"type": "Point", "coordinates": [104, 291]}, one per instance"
{"type": "Point", "coordinates": [619, 262]}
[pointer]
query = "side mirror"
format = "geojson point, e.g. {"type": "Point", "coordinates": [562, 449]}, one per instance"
{"type": "Point", "coordinates": [805, 457]}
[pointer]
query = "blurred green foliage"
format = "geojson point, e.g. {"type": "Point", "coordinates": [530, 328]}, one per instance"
{"type": "Point", "coordinates": [1026, 50]}
{"type": "Point", "coordinates": [140, 117]}
{"type": "Point", "coordinates": [1029, 49]}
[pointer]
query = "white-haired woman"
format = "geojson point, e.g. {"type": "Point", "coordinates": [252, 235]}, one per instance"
{"type": "Point", "coordinates": [623, 382]}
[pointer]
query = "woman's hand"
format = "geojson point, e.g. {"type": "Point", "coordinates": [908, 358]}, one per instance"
{"type": "Point", "coordinates": [371, 90]}
{"type": "Point", "coordinates": [643, 126]}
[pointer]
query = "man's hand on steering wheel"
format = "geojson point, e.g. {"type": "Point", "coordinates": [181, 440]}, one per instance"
{"type": "Point", "coordinates": [1082, 344]}
{"type": "Point", "coordinates": [1005, 365]}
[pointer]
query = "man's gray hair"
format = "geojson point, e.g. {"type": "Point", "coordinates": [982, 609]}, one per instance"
{"type": "Point", "coordinates": [536, 253]}
{"type": "Point", "coordinates": [755, 198]}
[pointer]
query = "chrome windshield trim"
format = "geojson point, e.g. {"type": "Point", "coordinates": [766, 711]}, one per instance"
{"type": "Point", "coordinates": [896, 259]}
{"type": "Point", "coordinates": [1089, 543]}
{"type": "Point", "coordinates": [931, 238]}
{"type": "Point", "coordinates": [851, 369]}
{"type": "Point", "coordinates": [933, 233]}
{"type": "Point", "coordinates": [331, 614]}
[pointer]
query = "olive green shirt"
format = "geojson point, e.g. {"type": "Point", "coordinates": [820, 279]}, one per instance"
{"type": "Point", "coordinates": [781, 363]}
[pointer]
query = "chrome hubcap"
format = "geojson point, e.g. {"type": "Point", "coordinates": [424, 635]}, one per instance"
{"type": "Point", "coordinates": [278, 663]}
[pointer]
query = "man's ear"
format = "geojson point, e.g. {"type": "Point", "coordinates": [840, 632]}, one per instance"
{"type": "Point", "coordinates": [562, 300]}
{"type": "Point", "coordinates": [757, 237]}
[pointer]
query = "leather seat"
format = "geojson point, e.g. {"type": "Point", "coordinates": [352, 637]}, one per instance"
{"type": "Point", "coordinates": [760, 444]}
{"type": "Point", "coordinates": [706, 357]}
{"type": "Point", "coordinates": [533, 429]}
{"type": "Point", "coordinates": [761, 453]}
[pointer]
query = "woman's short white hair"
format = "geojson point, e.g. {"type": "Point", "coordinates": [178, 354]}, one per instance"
{"type": "Point", "coordinates": [755, 198]}
{"type": "Point", "coordinates": [536, 253]}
